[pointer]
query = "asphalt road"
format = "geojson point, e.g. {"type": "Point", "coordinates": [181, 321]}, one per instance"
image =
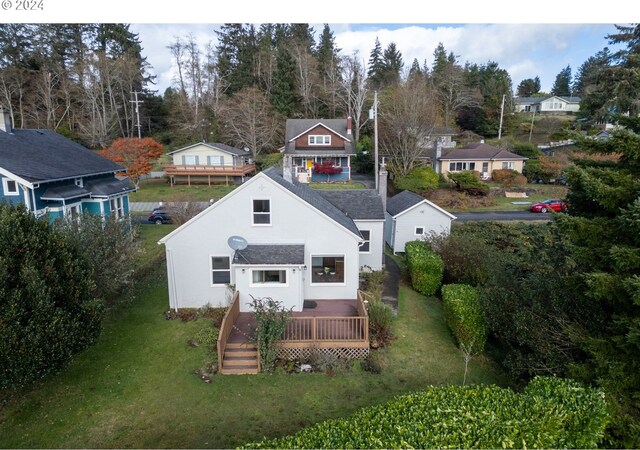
{"type": "Point", "coordinates": [501, 215]}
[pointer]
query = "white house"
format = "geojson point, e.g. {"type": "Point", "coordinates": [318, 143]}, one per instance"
{"type": "Point", "coordinates": [542, 105]}
{"type": "Point", "coordinates": [410, 216]}
{"type": "Point", "coordinates": [292, 243]}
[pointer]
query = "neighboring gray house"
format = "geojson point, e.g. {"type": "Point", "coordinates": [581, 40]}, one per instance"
{"type": "Point", "coordinates": [410, 216]}
{"type": "Point", "coordinates": [545, 105]}
{"type": "Point", "coordinates": [301, 245]}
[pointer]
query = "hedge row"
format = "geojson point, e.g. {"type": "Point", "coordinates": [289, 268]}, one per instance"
{"type": "Point", "coordinates": [425, 267]}
{"type": "Point", "coordinates": [418, 180]}
{"type": "Point", "coordinates": [464, 316]}
{"type": "Point", "coordinates": [550, 413]}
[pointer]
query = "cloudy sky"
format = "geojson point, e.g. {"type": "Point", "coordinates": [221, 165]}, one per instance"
{"type": "Point", "coordinates": [525, 50]}
{"type": "Point", "coordinates": [528, 39]}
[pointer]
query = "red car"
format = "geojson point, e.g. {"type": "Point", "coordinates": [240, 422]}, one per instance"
{"type": "Point", "coordinates": [553, 204]}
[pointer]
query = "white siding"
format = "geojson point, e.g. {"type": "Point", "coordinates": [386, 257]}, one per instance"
{"type": "Point", "coordinates": [202, 151]}
{"type": "Point", "coordinates": [423, 215]}
{"type": "Point", "coordinates": [288, 293]}
{"type": "Point", "coordinates": [375, 257]}
{"type": "Point", "coordinates": [292, 222]}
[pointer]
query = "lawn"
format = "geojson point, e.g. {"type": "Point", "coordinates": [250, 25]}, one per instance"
{"type": "Point", "coordinates": [136, 386]}
{"type": "Point", "coordinates": [536, 193]}
{"type": "Point", "coordinates": [157, 189]}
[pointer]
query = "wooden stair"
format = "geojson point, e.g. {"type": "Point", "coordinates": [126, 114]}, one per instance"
{"type": "Point", "coordinates": [240, 358]}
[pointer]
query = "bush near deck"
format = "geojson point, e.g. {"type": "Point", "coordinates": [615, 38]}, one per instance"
{"type": "Point", "coordinates": [425, 267]}
{"type": "Point", "coordinates": [550, 413]}
{"type": "Point", "coordinates": [464, 316]}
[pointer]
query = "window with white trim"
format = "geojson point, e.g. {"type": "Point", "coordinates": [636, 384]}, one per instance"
{"type": "Point", "coordinates": [73, 212]}
{"type": "Point", "coordinates": [269, 276]}
{"type": "Point", "coordinates": [215, 160]}
{"type": "Point", "coordinates": [327, 269]}
{"type": "Point", "coordinates": [220, 270]}
{"type": "Point", "coordinates": [508, 165]}
{"type": "Point", "coordinates": [460, 166]}
{"type": "Point", "coordinates": [10, 187]}
{"type": "Point", "coordinates": [190, 160]}
{"type": "Point", "coordinates": [78, 182]}
{"type": "Point", "coordinates": [319, 139]}
{"type": "Point", "coordinates": [419, 231]}
{"type": "Point", "coordinates": [261, 212]}
{"type": "Point", "coordinates": [366, 245]}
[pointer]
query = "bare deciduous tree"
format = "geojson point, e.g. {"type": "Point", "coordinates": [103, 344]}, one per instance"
{"type": "Point", "coordinates": [354, 89]}
{"type": "Point", "coordinates": [453, 93]}
{"type": "Point", "coordinates": [407, 115]}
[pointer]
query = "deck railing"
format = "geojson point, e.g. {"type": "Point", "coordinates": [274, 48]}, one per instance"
{"type": "Point", "coordinates": [227, 326]}
{"type": "Point", "coordinates": [190, 169]}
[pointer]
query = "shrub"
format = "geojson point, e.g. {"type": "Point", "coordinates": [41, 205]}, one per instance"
{"type": "Point", "coordinates": [272, 320]}
{"type": "Point", "coordinates": [419, 179]}
{"type": "Point", "coordinates": [508, 177]}
{"type": "Point", "coordinates": [425, 267]}
{"type": "Point", "coordinates": [463, 313]}
{"type": "Point", "coordinates": [48, 312]}
{"type": "Point", "coordinates": [550, 413]}
{"type": "Point", "coordinates": [269, 160]}
{"type": "Point", "coordinates": [469, 182]}
{"type": "Point", "coordinates": [215, 314]}
{"type": "Point", "coordinates": [467, 258]}
{"type": "Point", "coordinates": [380, 318]}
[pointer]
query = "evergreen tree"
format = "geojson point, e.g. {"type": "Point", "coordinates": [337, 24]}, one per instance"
{"type": "Point", "coordinates": [393, 64]}
{"type": "Point", "coordinates": [376, 70]}
{"type": "Point", "coordinates": [283, 97]}
{"type": "Point", "coordinates": [236, 49]}
{"type": "Point", "coordinates": [440, 61]}
{"type": "Point", "coordinates": [528, 87]}
{"type": "Point", "coordinates": [562, 85]}
{"type": "Point", "coordinates": [589, 72]}
{"type": "Point", "coordinates": [415, 71]}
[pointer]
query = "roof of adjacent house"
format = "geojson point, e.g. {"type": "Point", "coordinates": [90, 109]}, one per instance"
{"type": "Point", "coordinates": [106, 187]}
{"type": "Point", "coordinates": [479, 151]}
{"type": "Point", "coordinates": [313, 198]}
{"type": "Point", "coordinates": [270, 254]}
{"type": "Point", "coordinates": [216, 145]}
{"type": "Point", "coordinates": [534, 100]}
{"type": "Point", "coordinates": [405, 200]}
{"type": "Point", "coordinates": [359, 204]}
{"type": "Point", "coordinates": [38, 156]}
{"type": "Point", "coordinates": [296, 127]}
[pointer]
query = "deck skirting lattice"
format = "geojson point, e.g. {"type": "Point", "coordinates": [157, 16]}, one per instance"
{"type": "Point", "coordinates": [342, 352]}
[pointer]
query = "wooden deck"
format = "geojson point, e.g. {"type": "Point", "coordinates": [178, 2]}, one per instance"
{"type": "Point", "coordinates": [336, 326]}
{"type": "Point", "coordinates": [191, 172]}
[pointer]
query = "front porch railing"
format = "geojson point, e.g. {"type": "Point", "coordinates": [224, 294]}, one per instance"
{"type": "Point", "coordinates": [227, 326]}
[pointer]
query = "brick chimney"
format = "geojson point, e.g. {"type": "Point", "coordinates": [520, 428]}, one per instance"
{"type": "Point", "coordinates": [349, 125]}
{"type": "Point", "coordinates": [5, 120]}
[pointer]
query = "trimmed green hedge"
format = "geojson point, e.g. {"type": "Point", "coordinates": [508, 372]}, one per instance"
{"type": "Point", "coordinates": [550, 413]}
{"type": "Point", "coordinates": [464, 316]}
{"type": "Point", "coordinates": [419, 179]}
{"type": "Point", "coordinates": [425, 267]}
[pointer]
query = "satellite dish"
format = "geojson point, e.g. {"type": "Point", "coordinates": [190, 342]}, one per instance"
{"type": "Point", "coordinates": [237, 243]}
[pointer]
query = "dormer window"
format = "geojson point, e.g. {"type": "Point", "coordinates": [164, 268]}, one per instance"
{"type": "Point", "coordinates": [315, 139]}
{"type": "Point", "coordinates": [78, 182]}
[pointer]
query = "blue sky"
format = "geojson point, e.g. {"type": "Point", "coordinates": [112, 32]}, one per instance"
{"type": "Point", "coordinates": [524, 50]}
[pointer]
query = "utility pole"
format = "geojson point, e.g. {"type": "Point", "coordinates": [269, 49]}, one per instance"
{"type": "Point", "coordinates": [137, 102]}
{"type": "Point", "coordinates": [501, 115]}
{"type": "Point", "coordinates": [375, 135]}
{"type": "Point", "coordinates": [532, 118]}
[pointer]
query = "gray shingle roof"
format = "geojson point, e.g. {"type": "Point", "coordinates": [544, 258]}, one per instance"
{"type": "Point", "coordinates": [68, 191]}
{"type": "Point", "coordinates": [480, 152]}
{"type": "Point", "coordinates": [314, 199]}
{"type": "Point", "coordinates": [402, 201]}
{"type": "Point", "coordinates": [270, 254]}
{"type": "Point", "coordinates": [106, 187]}
{"type": "Point", "coordinates": [359, 204]}
{"type": "Point", "coordinates": [43, 155]}
{"type": "Point", "coordinates": [295, 127]}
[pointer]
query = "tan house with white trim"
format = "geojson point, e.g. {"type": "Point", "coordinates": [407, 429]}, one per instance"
{"type": "Point", "coordinates": [482, 158]}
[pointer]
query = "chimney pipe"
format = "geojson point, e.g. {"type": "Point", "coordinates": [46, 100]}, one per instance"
{"type": "Point", "coordinates": [5, 120]}
{"type": "Point", "coordinates": [349, 125]}
{"type": "Point", "coordinates": [382, 184]}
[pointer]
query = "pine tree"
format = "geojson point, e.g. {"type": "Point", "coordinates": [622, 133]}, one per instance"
{"type": "Point", "coordinates": [528, 87]}
{"type": "Point", "coordinates": [589, 72]}
{"type": "Point", "coordinates": [375, 74]}
{"type": "Point", "coordinates": [393, 64]}
{"type": "Point", "coordinates": [283, 98]}
{"type": "Point", "coordinates": [562, 85]}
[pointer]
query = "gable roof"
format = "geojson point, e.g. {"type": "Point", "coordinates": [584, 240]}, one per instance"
{"type": "Point", "coordinates": [406, 200]}
{"type": "Point", "coordinates": [270, 254]}
{"type": "Point", "coordinates": [564, 98]}
{"type": "Point", "coordinates": [359, 204]}
{"type": "Point", "coordinates": [316, 200]}
{"type": "Point", "coordinates": [297, 127]}
{"type": "Point", "coordinates": [215, 145]}
{"type": "Point", "coordinates": [535, 100]}
{"type": "Point", "coordinates": [479, 151]}
{"type": "Point", "coordinates": [39, 156]}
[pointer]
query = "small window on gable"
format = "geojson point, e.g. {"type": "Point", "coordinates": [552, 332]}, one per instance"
{"type": "Point", "coordinates": [419, 231]}
{"type": "Point", "coordinates": [9, 187]}
{"type": "Point", "coordinates": [315, 139]}
{"type": "Point", "coordinates": [262, 212]}
{"type": "Point", "coordinates": [366, 245]}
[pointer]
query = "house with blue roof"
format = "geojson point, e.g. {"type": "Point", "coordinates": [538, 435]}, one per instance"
{"type": "Point", "coordinates": [54, 176]}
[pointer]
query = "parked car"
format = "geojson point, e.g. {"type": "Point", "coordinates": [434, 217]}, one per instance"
{"type": "Point", "coordinates": [159, 216]}
{"type": "Point", "coordinates": [553, 204]}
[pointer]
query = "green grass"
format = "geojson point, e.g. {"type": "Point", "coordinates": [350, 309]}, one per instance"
{"type": "Point", "coordinates": [136, 386]}
{"type": "Point", "coordinates": [156, 190]}
{"type": "Point", "coordinates": [536, 192]}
